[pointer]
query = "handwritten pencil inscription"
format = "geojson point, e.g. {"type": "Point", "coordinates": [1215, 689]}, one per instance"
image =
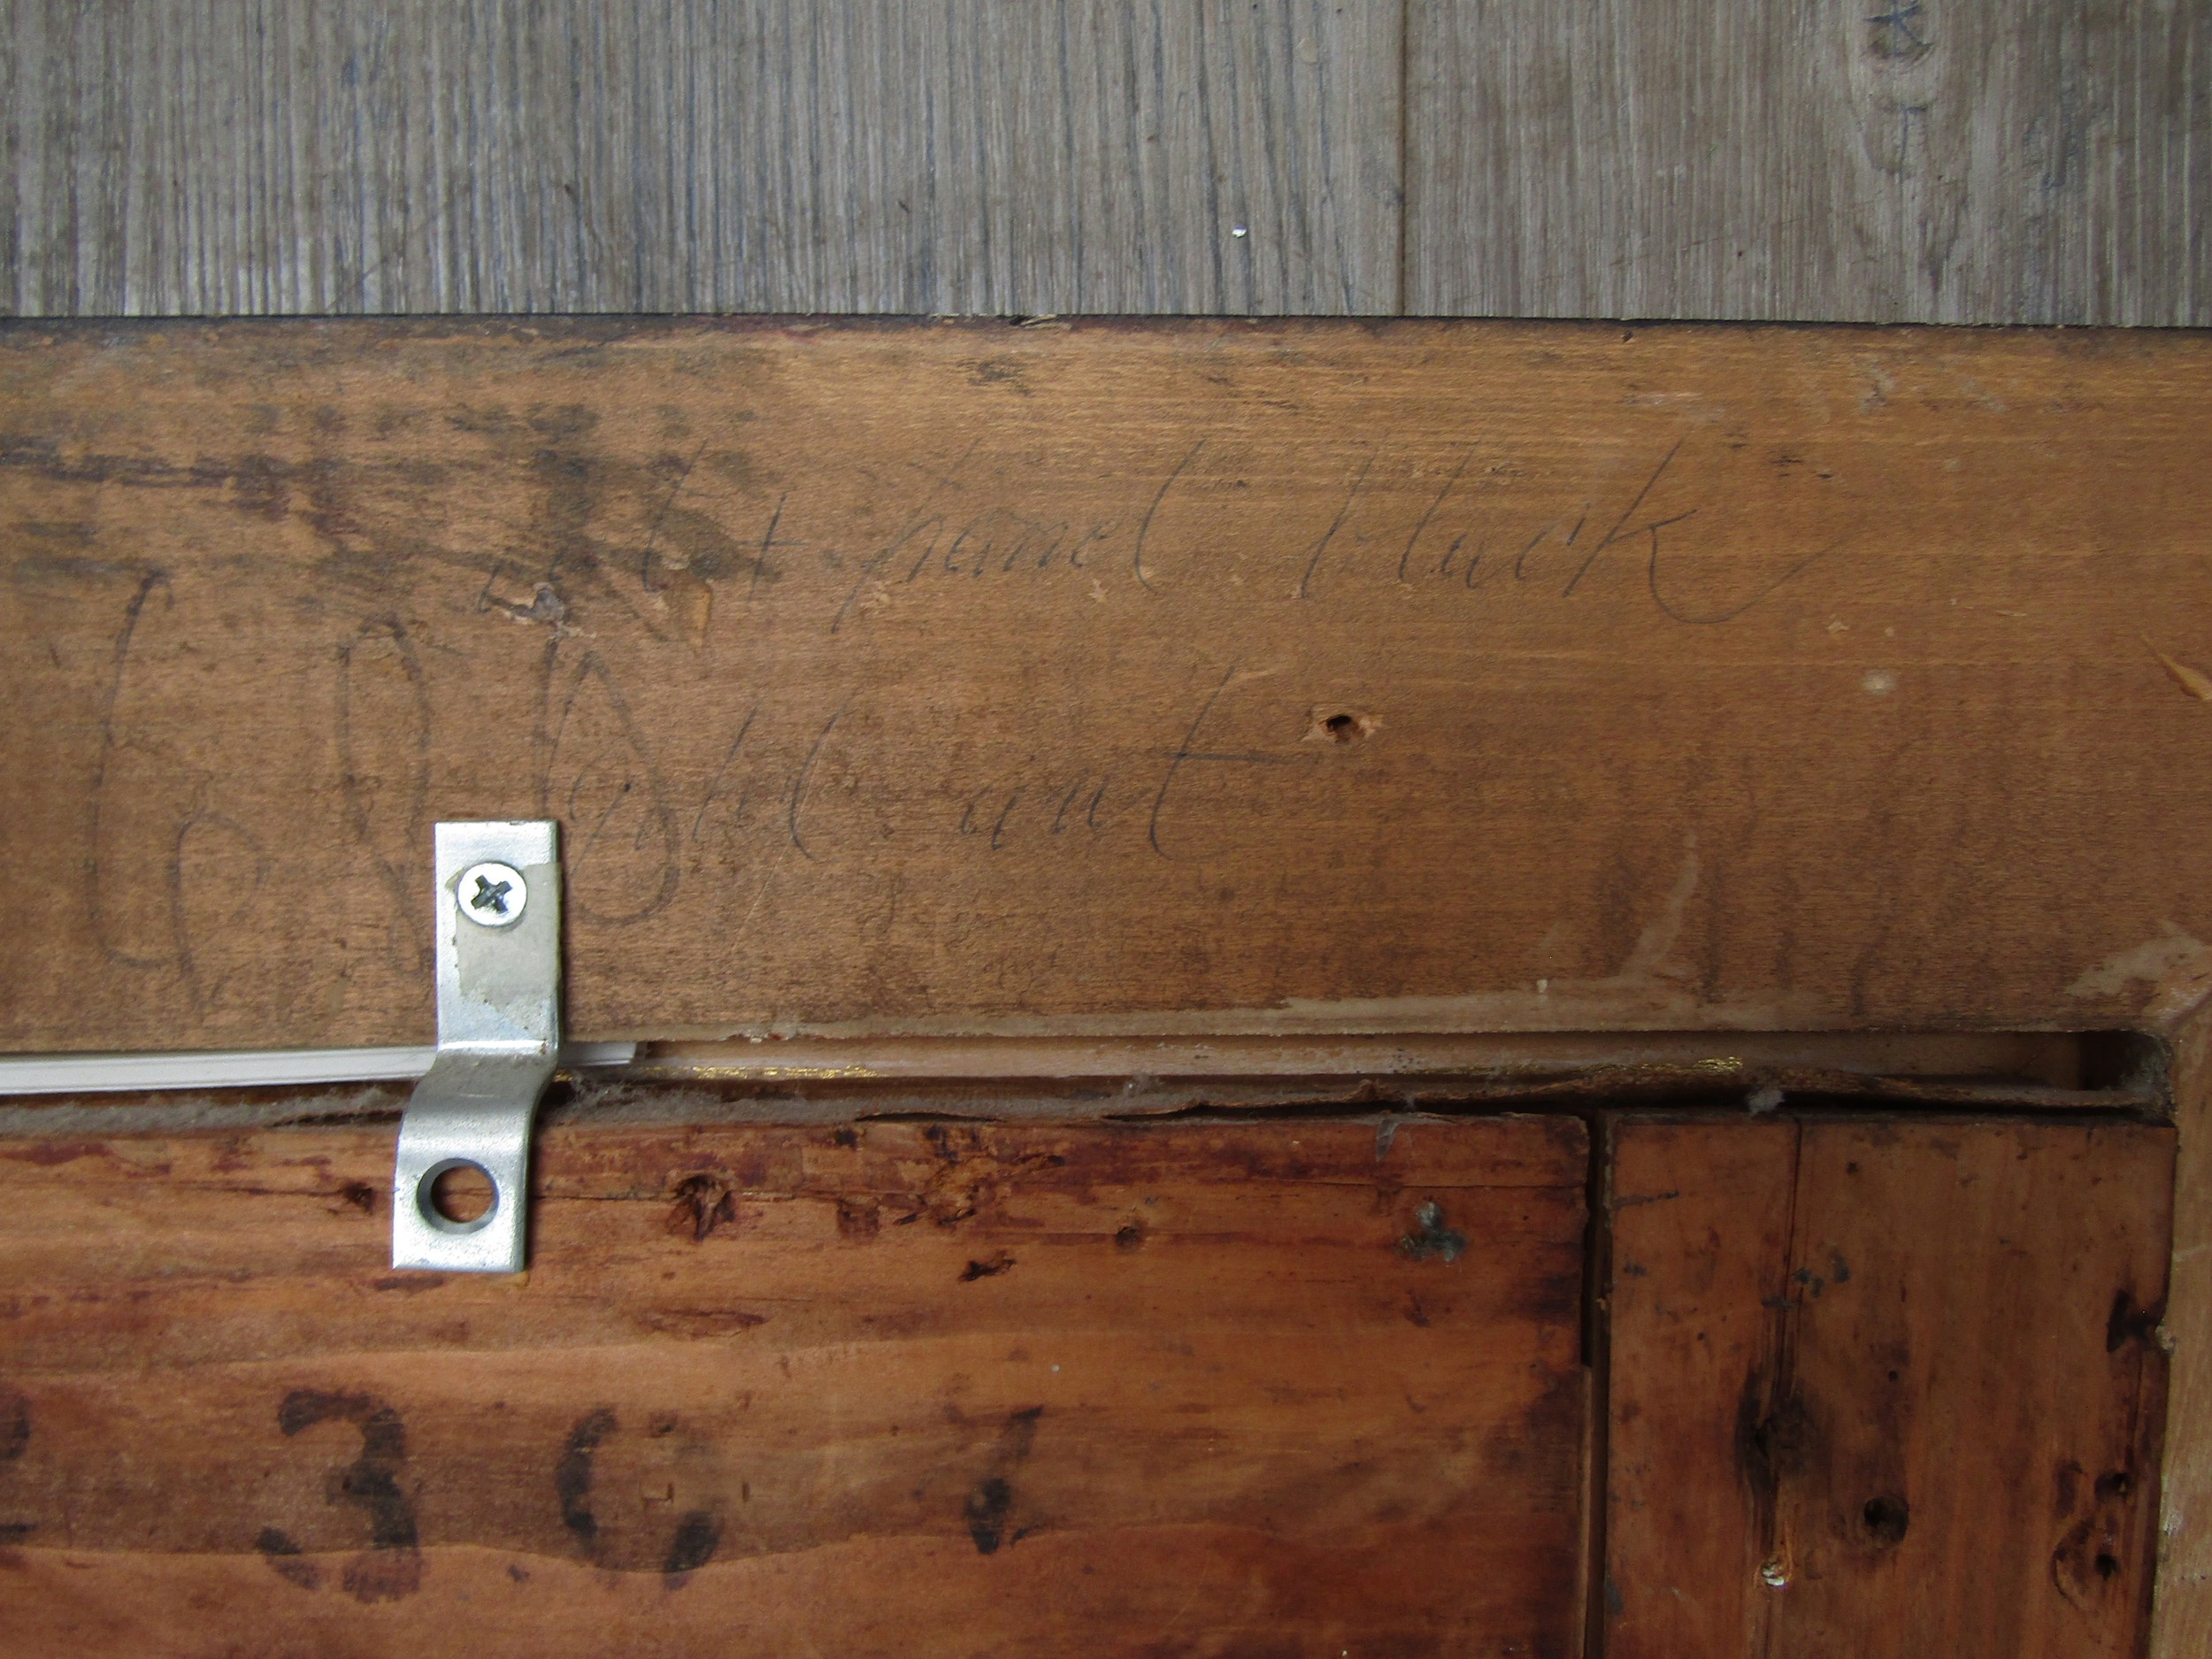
{"type": "Point", "coordinates": [730, 674]}
{"type": "Point", "coordinates": [1201, 530]}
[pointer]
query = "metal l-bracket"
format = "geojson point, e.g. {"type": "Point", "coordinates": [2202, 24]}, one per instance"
{"type": "Point", "coordinates": [499, 1035]}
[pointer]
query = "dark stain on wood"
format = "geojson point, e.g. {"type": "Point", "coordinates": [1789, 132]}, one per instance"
{"type": "Point", "coordinates": [703, 1202]}
{"type": "Point", "coordinates": [278, 1548]}
{"type": "Point", "coordinates": [15, 1424]}
{"type": "Point", "coordinates": [572, 1476]}
{"type": "Point", "coordinates": [991, 1500]}
{"type": "Point", "coordinates": [698, 1535]}
{"type": "Point", "coordinates": [393, 1566]}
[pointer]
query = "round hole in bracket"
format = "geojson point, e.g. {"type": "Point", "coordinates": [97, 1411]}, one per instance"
{"type": "Point", "coordinates": [457, 1196]}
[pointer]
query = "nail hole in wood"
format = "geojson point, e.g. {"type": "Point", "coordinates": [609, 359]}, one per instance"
{"type": "Point", "coordinates": [1886, 1518]}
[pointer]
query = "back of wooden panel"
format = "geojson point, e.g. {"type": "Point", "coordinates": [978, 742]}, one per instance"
{"type": "Point", "coordinates": [1206, 678]}
{"type": "Point", "coordinates": [1299, 1386]}
{"type": "Point", "coordinates": [1884, 1388]}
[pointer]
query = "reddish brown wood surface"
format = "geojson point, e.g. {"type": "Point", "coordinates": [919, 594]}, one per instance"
{"type": "Point", "coordinates": [1196, 678]}
{"type": "Point", "coordinates": [2183, 1614]}
{"type": "Point", "coordinates": [911, 1388]}
{"type": "Point", "coordinates": [1884, 1388]}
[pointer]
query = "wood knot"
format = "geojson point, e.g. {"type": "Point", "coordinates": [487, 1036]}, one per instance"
{"type": "Point", "coordinates": [703, 1204]}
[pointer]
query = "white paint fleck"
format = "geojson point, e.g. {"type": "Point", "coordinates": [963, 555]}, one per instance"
{"type": "Point", "coordinates": [2174, 968]}
{"type": "Point", "coordinates": [1879, 681]}
{"type": "Point", "coordinates": [1647, 959]}
{"type": "Point", "coordinates": [1239, 232]}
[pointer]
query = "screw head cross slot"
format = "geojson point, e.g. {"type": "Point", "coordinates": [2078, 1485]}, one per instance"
{"type": "Point", "coordinates": [492, 895]}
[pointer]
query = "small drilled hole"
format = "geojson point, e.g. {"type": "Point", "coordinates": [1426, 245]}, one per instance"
{"type": "Point", "coordinates": [1888, 1519]}
{"type": "Point", "coordinates": [1340, 726]}
{"type": "Point", "coordinates": [458, 1197]}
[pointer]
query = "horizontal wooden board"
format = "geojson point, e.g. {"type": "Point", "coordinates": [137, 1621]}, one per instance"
{"type": "Point", "coordinates": [1888, 1389]}
{"type": "Point", "coordinates": [1930, 163]}
{"type": "Point", "coordinates": [1899, 162]}
{"type": "Point", "coordinates": [912, 157]}
{"type": "Point", "coordinates": [1291, 1387]}
{"type": "Point", "coordinates": [1207, 678]}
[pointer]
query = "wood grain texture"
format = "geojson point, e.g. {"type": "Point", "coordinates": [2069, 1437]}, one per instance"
{"type": "Point", "coordinates": [1917, 162]}
{"type": "Point", "coordinates": [1185, 678]}
{"type": "Point", "coordinates": [1930, 161]}
{"type": "Point", "coordinates": [923, 1388]}
{"type": "Point", "coordinates": [2182, 1625]}
{"type": "Point", "coordinates": [273, 156]}
{"type": "Point", "coordinates": [1884, 1388]}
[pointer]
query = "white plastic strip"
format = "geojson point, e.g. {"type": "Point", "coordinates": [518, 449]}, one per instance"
{"type": "Point", "coordinates": [247, 1068]}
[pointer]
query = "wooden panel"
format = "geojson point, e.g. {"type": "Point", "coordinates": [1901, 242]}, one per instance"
{"type": "Point", "coordinates": [1201, 677]}
{"type": "Point", "coordinates": [1700, 1223]}
{"type": "Point", "coordinates": [1901, 162]}
{"type": "Point", "coordinates": [259, 156]}
{"type": "Point", "coordinates": [2183, 1624]}
{"type": "Point", "coordinates": [1884, 1388]}
{"type": "Point", "coordinates": [1291, 1387]}
{"type": "Point", "coordinates": [1999, 164]}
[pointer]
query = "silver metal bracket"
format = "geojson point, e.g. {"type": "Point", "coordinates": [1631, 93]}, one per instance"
{"type": "Point", "coordinates": [499, 1037]}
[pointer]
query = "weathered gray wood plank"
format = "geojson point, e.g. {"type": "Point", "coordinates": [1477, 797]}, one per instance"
{"type": "Point", "coordinates": [1901, 160]}
{"type": "Point", "coordinates": [270, 156]}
